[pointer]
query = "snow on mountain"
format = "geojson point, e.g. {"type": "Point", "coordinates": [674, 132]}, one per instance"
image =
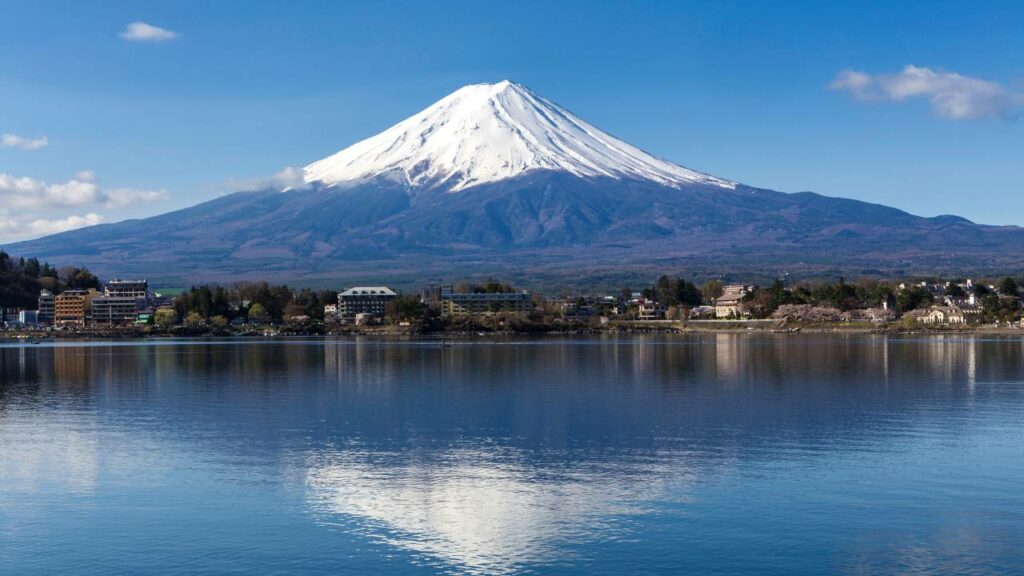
{"type": "Point", "coordinates": [484, 133]}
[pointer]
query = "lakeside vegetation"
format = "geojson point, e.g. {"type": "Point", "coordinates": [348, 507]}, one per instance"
{"type": "Point", "coordinates": [262, 308]}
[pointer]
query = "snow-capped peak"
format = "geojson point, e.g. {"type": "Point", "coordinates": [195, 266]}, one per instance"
{"type": "Point", "coordinates": [488, 132]}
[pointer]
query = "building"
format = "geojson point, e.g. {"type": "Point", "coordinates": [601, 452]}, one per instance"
{"type": "Point", "coordinates": [702, 312]}
{"type": "Point", "coordinates": [730, 303]}
{"type": "Point", "coordinates": [71, 307]}
{"type": "Point", "coordinates": [943, 315]}
{"type": "Point", "coordinates": [137, 289]}
{"type": "Point", "coordinates": [364, 300]}
{"type": "Point", "coordinates": [577, 311]}
{"type": "Point", "coordinates": [111, 310]}
{"type": "Point", "coordinates": [28, 317]}
{"type": "Point", "coordinates": [481, 303]}
{"type": "Point", "coordinates": [330, 312]}
{"type": "Point", "coordinates": [10, 315]}
{"type": "Point", "coordinates": [45, 307]}
{"type": "Point", "coordinates": [650, 310]}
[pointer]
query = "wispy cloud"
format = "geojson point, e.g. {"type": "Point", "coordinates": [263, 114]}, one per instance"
{"type": "Point", "coordinates": [950, 95]}
{"type": "Point", "coordinates": [16, 227]}
{"type": "Point", "coordinates": [139, 31]}
{"type": "Point", "coordinates": [120, 197]}
{"type": "Point", "coordinates": [288, 178]}
{"type": "Point", "coordinates": [15, 141]}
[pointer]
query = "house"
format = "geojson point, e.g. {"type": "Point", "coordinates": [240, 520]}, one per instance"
{"type": "Point", "coordinates": [942, 315]}
{"type": "Point", "coordinates": [455, 304]}
{"type": "Point", "coordinates": [364, 300]}
{"type": "Point", "coordinates": [936, 290]}
{"type": "Point", "coordinates": [650, 310]}
{"type": "Point", "coordinates": [730, 303]}
{"type": "Point", "coordinates": [702, 312]}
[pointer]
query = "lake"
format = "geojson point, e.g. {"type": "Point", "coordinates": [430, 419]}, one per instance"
{"type": "Point", "coordinates": [708, 454]}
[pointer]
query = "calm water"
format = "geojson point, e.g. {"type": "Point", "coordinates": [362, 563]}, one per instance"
{"type": "Point", "coordinates": [727, 454]}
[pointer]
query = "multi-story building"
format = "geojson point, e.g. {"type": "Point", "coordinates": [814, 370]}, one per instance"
{"type": "Point", "coordinates": [28, 317]}
{"type": "Point", "coordinates": [45, 307]}
{"type": "Point", "coordinates": [364, 300]}
{"type": "Point", "coordinates": [137, 289]}
{"type": "Point", "coordinates": [475, 304]}
{"type": "Point", "coordinates": [113, 310]}
{"type": "Point", "coordinates": [730, 303]}
{"type": "Point", "coordinates": [71, 307]}
{"type": "Point", "coordinates": [9, 315]}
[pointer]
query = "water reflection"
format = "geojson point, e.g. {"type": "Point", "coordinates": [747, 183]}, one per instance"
{"type": "Point", "coordinates": [598, 455]}
{"type": "Point", "coordinates": [487, 510]}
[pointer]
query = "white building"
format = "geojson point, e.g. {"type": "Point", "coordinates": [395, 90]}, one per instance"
{"type": "Point", "coordinates": [730, 303]}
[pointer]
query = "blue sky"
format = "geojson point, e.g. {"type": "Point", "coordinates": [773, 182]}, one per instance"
{"type": "Point", "coordinates": [234, 91]}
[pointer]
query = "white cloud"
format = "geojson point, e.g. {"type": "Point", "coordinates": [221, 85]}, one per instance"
{"type": "Point", "coordinates": [25, 192]}
{"type": "Point", "coordinates": [119, 197]}
{"type": "Point", "coordinates": [951, 95]}
{"type": "Point", "coordinates": [30, 207]}
{"type": "Point", "coordinates": [139, 31]}
{"type": "Point", "coordinates": [15, 141]}
{"type": "Point", "coordinates": [70, 223]}
{"type": "Point", "coordinates": [16, 227]}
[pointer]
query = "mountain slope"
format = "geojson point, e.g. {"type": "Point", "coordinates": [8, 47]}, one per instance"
{"type": "Point", "coordinates": [484, 133]}
{"type": "Point", "coordinates": [494, 179]}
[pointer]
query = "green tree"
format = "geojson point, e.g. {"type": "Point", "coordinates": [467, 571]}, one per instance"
{"type": "Point", "coordinates": [626, 294]}
{"type": "Point", "coordinates": [79, 278]}
{"type": "Point", "coordinates": [219, 322]}
{"type": "Point", "coordinates": [32, 267]}
{"type": "Point", "coordinates": [1008, 287]}
{"type": "Point", "coordinates": [293, 310]}
{"type": "Point", "coordinates": [165, 318]}
{"type": "Point", "coordinates": [674, 292]}
{"type": "Point", "coordinates": [711, 289]}
{"type": "Point", "coordinates": [194, 320]}
{"type": "Point", "coordinates": [405, 307]}
{"type": "Point", "coordinates": [912, 298]}
{"type": "Point", "coordinates": [257, 313]}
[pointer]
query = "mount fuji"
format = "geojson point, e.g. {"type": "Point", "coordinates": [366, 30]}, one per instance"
{"type": "Point", "coordinates": [495, 179]}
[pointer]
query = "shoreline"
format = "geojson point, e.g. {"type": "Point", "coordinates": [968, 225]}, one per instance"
{"type": "Point", "coordinates": [269, 333]}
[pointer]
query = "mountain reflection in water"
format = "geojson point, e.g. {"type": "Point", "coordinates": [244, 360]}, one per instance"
{"type": "Point", "coordinates": [728, 453]}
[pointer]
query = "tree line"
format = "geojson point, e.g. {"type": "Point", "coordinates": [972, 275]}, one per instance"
{"type": "Point", "coordinates": [22, 279]}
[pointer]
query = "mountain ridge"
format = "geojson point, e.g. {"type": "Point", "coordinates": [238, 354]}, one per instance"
{"type": "Point", "coordinates": [509, 189]}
